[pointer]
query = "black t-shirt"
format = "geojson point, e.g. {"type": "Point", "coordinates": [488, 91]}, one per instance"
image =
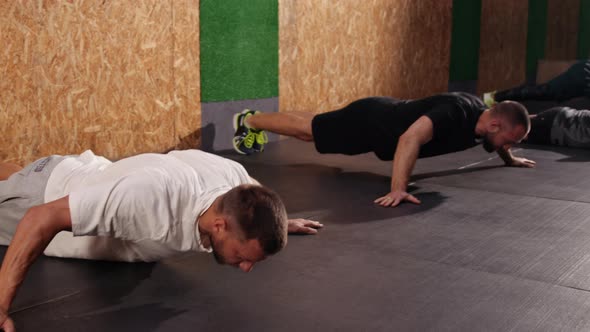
{"type": "Point", "coordinates": [454, 117]}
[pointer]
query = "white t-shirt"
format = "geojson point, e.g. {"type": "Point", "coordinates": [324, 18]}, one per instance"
{"type": "Point", "coordinates": [142, 208]}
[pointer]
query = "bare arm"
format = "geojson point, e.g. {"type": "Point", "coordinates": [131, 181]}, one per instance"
{"type": "Point", "coordinates": [408, 149]}
{"type": "Point", "coordinates": [506, 155]}
{"type": "Point", "coordinates": [34, 232]}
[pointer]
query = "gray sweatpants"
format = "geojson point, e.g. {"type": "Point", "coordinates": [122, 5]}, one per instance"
{"type": "Point", "coordinates": [21, 191]}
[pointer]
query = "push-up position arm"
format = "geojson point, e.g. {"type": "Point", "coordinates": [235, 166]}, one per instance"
{"type": "Point", "coordinates": [34, 232]}
{"type": "Point", "coordinates": [408, 149]}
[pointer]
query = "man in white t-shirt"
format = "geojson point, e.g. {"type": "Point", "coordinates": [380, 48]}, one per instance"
{"type": "Point", "coordinates": [143, 208]}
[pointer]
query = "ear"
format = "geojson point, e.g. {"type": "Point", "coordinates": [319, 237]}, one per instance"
{"type": "Point", "coordinates": [494, 126]}
{"type": "Point", "coordinates": [220, 225]}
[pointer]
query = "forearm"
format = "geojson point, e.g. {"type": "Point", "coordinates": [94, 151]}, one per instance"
{"type": "Point", "coordinates": [33, 234]}
{"type": "Point", "coordinates": [403, 163]}
{"type": "Point", "coordinates": [506, 155]}
{"type": "Point", "coordinates": [26, 245]}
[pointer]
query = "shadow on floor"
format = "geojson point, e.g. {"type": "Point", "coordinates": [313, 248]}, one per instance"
{"type": "Point", "coordinates": [572, 154]}
{"type": "Point", "coordinates": [437, 174]}
{"type": "Point", "coordinates": [331, 194]}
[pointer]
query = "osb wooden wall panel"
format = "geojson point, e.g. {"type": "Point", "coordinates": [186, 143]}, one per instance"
{"type": "Point", "coordinates": [502, 54]}
{"type": "Point", "coordinates": [19, 121]}
{"type": "Point", "coordinates": [562, 29]}
{"type": "Point", "coordinates": [187, 74]}
{"type": "Point", "coordinates": [333, 52]}
{"type": "Point", "coordinates": [96, 75]}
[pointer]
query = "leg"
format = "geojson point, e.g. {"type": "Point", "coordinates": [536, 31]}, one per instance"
{"type": "Point", "coordinates": [7, 169]}
{"type": "Point", "coordinates": [293, 124]}
{"type": "Point", "coordinates": [566, 86]}
{"type": "Point", "coordinates": [345, 131]}
{"type": "Point", "coordinates": [525, 92]}
{"type": "Point", "coordinates": [570, 84]}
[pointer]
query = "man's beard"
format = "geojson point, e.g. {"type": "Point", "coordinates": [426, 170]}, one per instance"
{"type": "Point", "coordinates": [218, 258]}
{"type": "Point", "coordinates": [487, 144]}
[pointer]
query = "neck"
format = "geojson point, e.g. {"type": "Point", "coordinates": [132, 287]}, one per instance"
{"type": "Point", "coordinates": [205, 223]}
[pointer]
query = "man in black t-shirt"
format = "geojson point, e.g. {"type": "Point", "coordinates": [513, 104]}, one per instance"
{"type": "Point", "coordinates": [398, 130]}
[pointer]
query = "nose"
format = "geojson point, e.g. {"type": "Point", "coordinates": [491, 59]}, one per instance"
{"type": "Point", "coordinates": [246, 266]}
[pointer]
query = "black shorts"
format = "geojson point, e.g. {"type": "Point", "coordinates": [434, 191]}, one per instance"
{"type": "Point", "coordinates": [541, 126]}
{"type": "Point", "coordinates": [353, 129]}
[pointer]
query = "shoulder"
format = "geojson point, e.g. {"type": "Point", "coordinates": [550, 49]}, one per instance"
{"type": "Point", "coordinates": [467, 98]}
{"type": "Point", "coordinates": [213, 169]}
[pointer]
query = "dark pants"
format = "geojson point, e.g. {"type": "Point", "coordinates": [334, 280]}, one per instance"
{"type": "Point", "coordinates": [575, 82]}
{"type": "Point", "coordinates": [541, 126]}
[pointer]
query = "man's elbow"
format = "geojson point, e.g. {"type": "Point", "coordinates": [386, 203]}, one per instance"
{"type": "Point", "coordinates": [410, 138]}
{"type": "Point", "coordinates": [405, 137]}
{"type": "Point", "coordinates": [47, 219]}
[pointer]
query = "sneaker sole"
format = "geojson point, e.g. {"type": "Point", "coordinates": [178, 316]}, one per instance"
{"type": "Point", "coordinates": [235, 123]}
{"type": "Point", "coordinates": [233, 143]}
{"type": "Point", "coordinates": [237, 116]}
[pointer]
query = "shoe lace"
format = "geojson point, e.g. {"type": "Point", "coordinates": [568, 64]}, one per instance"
{"type": "Point", "coordinates": [249, 139]}
{"type": "Point", "coordinates": [261, 138]}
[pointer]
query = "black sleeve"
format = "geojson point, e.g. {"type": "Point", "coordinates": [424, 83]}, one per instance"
{"type": "Point", "coordinates": [446, 119]}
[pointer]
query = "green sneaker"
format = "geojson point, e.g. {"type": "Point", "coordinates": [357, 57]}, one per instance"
{"type": "Point", "coordinates": [488, 98]}
{"type": "Point", "coordinates": [247, 140]}
{"type": "Point", "coordinates": [261, 140]}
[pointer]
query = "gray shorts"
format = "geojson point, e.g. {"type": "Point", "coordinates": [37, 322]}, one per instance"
{"type": "Point", "coordinates": [21, 191]}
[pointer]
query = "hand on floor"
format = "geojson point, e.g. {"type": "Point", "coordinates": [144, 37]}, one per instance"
{"type": "Point", "coordinates": [303, 226]}
{"type": "Point", "coordinates": [521, 162]}
{"type": "Point", "coordinates": [394, 198]}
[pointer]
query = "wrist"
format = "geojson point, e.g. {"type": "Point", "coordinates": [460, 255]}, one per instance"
{"type": "Point", "coordinates": [398, 187]}
{"type": "Point", "coordinates": [6, 295]}
{"type": "Point", "coordinates": [4, 307]}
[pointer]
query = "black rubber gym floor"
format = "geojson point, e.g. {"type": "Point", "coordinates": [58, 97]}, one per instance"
{"type": "Point", "coordinates": [491, 248]}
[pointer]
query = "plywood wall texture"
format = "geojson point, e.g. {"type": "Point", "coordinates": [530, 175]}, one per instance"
{"type": "Point", "coordinates": [332, 52]}
{"type": "Point", "coordinates": [562, 29]}
{"type": "Point", "coordinates": [503, 42]}
{"type": "Point", "coordinates": [187, 74]}
{"type": "Point", "coordinates": [19, 118]}
{"type": "Point", "coordinates": [113, 76]}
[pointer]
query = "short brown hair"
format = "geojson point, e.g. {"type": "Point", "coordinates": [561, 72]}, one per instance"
{"type": "Point", "coordinates": [514, 112]}
{"type": "Point", "coordinates": [260, 214]}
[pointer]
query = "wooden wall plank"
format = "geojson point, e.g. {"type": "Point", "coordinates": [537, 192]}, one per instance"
{"type": "Point", "coordinates": [562, 29]}
{"type": "Point", "coordinates": [332, 52]}
{"type": "Point", "coordinates": [503, 42]}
